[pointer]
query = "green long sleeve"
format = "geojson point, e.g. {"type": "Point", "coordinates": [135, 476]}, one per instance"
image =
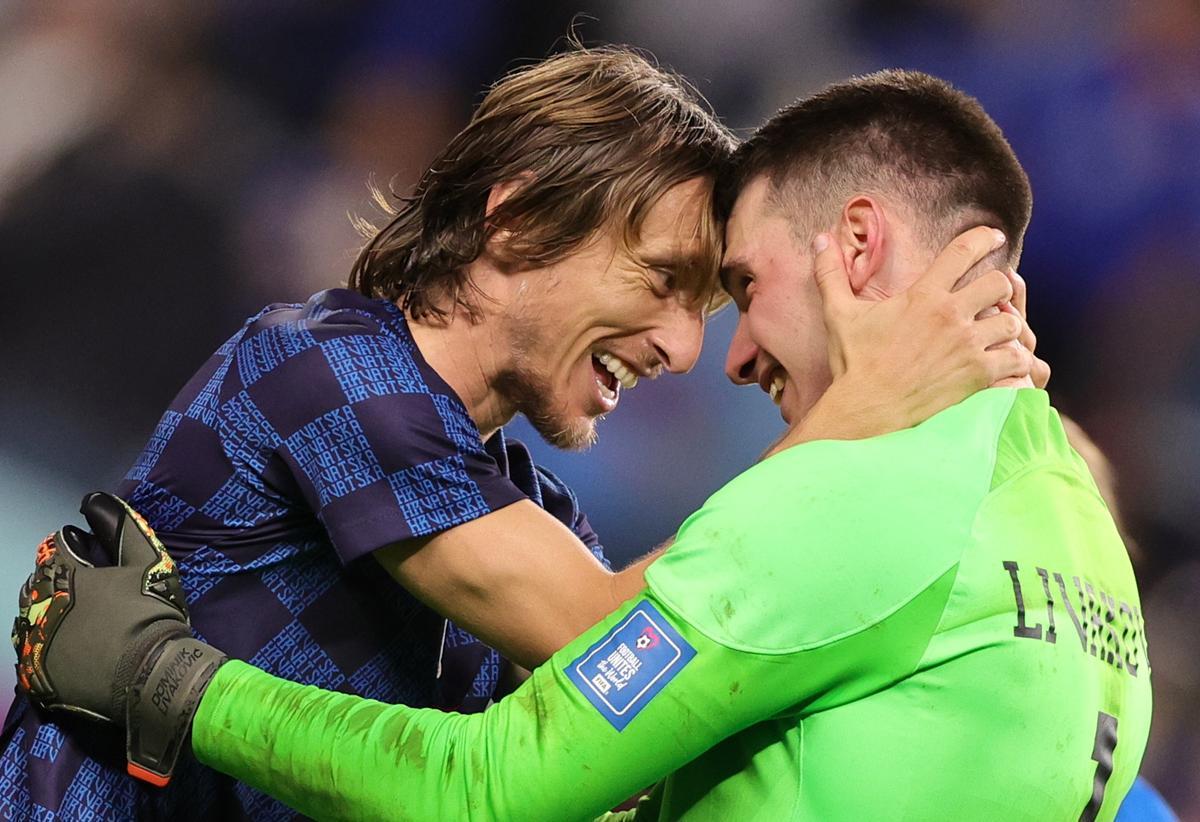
{"type": "Point", "coordinates": [781, 611]}
{"type": "Point", "coordinates": [545, 752]}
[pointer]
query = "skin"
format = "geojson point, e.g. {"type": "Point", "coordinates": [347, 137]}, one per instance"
{"type": "Point", "coordinates": [517, 578]}
{"type": "Point", "coordinates": [781, 327]}
{"type": "Point", "coordinates": [782, 324]}
{"type": "Point", "coordinates": [532, 351]}
{"type": "Point", "coordinates": [520, 580]}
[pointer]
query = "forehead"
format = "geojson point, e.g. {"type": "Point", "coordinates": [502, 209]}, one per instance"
{"type": "Point", "coordinates": [675, 223]}
{"type": "Point", "coordinates": [680, 233]}
{"type": "Point", "coordinates": [751, 221]}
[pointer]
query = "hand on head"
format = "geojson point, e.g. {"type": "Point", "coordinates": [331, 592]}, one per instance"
{"type": "Point", "coordinates": [931, 345]}
{"type": "Point", "coordinates": [1039, 372]}
{"type": "Point", "coordinates": [899, 361]}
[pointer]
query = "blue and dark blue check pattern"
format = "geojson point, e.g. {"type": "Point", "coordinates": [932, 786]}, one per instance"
{"type": "Point", "coordinates": [314, 436]}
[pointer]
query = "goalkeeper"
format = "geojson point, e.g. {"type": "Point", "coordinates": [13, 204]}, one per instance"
{"type": "Point", "coordinates": [940, 622]}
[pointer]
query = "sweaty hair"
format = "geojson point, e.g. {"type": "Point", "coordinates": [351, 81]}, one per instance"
{"type": "Point", "coordinates": [902, 134]}
{"type": "Point", "coordinates": [591, 138]}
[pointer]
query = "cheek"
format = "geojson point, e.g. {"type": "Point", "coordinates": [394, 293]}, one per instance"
{"type": "Point", "coordinates": [777, 323]}
{"type": "Point", "coordinates": [808, 319]}
{"type": "Point", "coordinates": [620, 302]}
{"type": "Point", "coordinates": [790, 333]}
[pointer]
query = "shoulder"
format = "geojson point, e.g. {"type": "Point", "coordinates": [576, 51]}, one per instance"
{"type": "Point", "coordinates": [337, 329]}
{"type": "Point", "coordinates": [1034, 434]}
{"type": "Point", "coordinates": [342, 355]}
{"type": "Point", "coordinates": [831, 537]}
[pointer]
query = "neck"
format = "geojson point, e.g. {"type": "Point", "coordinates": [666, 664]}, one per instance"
{"type": "Point", "coordinates": [468, 355]}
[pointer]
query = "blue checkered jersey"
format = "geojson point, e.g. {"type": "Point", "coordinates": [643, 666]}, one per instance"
{"type": "Point", "coordinates": [314, 436]}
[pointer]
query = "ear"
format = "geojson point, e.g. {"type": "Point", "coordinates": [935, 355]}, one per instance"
{"type": "Point", "coordinates": [862, 232]}
{"type": "Point", "coordinates": [500, 192]}
{"type": "Point", "coordinates": [500, 234]}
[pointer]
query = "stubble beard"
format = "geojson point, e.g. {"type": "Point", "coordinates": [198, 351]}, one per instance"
{"type": "Point", "coordinates": [530, 392]}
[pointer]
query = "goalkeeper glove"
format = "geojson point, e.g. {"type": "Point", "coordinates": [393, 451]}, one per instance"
{"type": "Point", "coordinates": [113, 643]}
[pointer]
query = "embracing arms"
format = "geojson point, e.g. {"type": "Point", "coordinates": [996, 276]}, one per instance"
{"type": "Point", "coordinates": [517, 567]}
{"type": "Point", "coordinates": [524, 584]}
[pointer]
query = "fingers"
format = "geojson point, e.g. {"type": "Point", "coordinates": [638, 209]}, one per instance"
{"type": "Point", "coordinates": [960, 256]}
{"type": "Point", "coordinates": [54, 548]}
{"type": "Point", "coordinates": [73, 546]}
{"type": "Point", "coordinates": [46, 550]}
{"type": "Point", "coordinates": [1019, 293]}
{"type": "Point", "coordinates": [1010, 344]}
{"type": "Point", "coordinates": [1027, 338]}
{"type": "Point", "coordinates": [122, 534]}
{"type": "Point", "coordinates": [105, 514]}
{"type": "Point", "coordinates": [1007, 361]}
{"type": "Point", "coordinates": [131, 540]}
{"type": "Point", "coordinates": [24, 598]}
{"type": "Point", "coordinates": [998, 329]}
{"type": "Point", "coordinates": [1040, 373]}
{"type": "Point", "coordinates": [993, 288]}
{"type": "Point", "coordinates": [829, 270]}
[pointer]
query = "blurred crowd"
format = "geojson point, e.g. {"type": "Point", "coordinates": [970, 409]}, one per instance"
{"type": "Point", "coordinates": [168, 168]}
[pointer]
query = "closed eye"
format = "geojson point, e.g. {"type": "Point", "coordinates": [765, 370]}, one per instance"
{"type": "Point", "coordinates": [668, 280]}
{"type": "Point", "coordinates": [738, 282]}
{"type": "Point", "coordinates": [740, 287]}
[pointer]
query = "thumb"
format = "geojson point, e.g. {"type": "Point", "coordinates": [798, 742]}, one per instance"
{"type": "Point", "coordinates": [121, 531]}
{"type": "Point", "coordinates": [57, 547]}
{"type": "Point", "coordinates": [829, 270]}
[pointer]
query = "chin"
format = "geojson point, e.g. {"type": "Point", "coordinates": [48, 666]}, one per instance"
{"type": "Point", "coordinates": [560, 427]}
{"type": "Point", "coordinates": [787, 408]}
{"type": "Point", "coordinates": [531, 394]}
{"type": "Point", "coordinates": [805, 397]}
{"type": "Point", "coordinates": [568, 434]}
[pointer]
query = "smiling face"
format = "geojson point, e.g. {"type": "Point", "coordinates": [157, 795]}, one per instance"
{"type": "Point", "coordinates": [584, 328]}
{"type": "Point", "coordinates": [780, 341]}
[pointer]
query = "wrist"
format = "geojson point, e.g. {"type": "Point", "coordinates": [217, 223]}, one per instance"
{"type": "Point", "coordinates": [162, 701]}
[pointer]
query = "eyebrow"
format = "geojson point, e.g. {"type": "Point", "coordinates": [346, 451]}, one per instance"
{"type": "Point", "coordinates": [689, 268]}
{"type": "Point", "coordinates": [729, 269]}
{"type": "Point", "coordinates": [693, 267]}
{"type": "Point", "coordinates": [681, 261]}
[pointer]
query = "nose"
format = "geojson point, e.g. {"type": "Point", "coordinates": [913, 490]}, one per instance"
{"type": "Point", "coordinates": [741, 360]}
{"type": "Point", "coordinates": [679, 339]}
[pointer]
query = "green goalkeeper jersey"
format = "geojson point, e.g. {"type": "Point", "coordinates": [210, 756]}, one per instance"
{"type": "Point", "coordinates": [941, 623]}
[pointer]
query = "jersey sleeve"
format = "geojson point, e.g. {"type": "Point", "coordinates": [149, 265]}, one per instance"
{"type": "Point", "coordinates": [471, 672]}
{"type": "Point", "coordinates": [379, 448]}
{"type": "Point", "coordinates": [631, 700]}
{"type": "Point", "coordinates": [714, 645]}
{"type": "Point", "coordinates": [560, 501]}
{"type": "Point", "coordinates": [551, 493]}
{"type": "Point", "coordinates": [824, 539]}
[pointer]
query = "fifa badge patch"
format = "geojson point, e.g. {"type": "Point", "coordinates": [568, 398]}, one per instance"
{"type": "Point", "coordinates": [635, 660]}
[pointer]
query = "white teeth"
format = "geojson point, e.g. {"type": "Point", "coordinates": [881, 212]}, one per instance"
{"type": "Point", "coordinates": [776, 390]}
{"type": "Point", "coordinates": [618, 369]}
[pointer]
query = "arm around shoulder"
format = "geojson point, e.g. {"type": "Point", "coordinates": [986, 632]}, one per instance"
{"type": "Point", "coordinates": [517, 578]}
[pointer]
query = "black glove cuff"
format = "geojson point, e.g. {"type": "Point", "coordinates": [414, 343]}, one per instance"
{"type": "Point", "coordinates": [163, 698]}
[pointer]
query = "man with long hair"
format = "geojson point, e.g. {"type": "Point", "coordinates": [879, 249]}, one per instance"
{"type": "Point", "coordinates": [333, 482]}
{"type": "Point", "coordinates": [851, 629]}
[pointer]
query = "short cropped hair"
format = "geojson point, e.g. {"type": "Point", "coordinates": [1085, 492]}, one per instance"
{"type": "Point", "coordinates": [899, 133]}
{"type": "Point", "coordinates": [592, 137]}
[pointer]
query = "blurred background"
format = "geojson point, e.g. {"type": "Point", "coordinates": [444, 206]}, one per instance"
{"type": "Point", "coordinates": [168, 168]}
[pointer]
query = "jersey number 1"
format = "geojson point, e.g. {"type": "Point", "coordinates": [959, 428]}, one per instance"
{"type": "Point", "coordinates": [1102, 754]}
